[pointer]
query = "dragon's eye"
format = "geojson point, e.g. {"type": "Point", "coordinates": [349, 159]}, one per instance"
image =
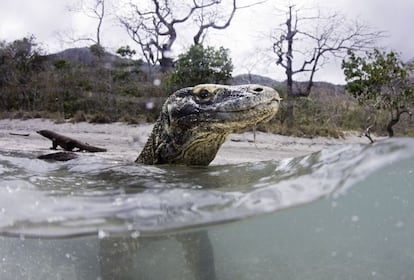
{"type": "Point", "coordinates": [203, 94]}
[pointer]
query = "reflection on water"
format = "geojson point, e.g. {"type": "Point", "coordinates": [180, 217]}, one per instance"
{"type": "Point", "coordinates": [95, 219]}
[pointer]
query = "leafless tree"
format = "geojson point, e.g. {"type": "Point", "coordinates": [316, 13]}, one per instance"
{"type": "Point", "coordinates": [99, 13]}
{"type": "Point", "coordinates": [94, 9]}
{"type": "Point", "coordinates": [154, 27]}
{"type": "Point", "coordinates": [319, 38]}
{"type": "Point", "coordinates": [212, 18]}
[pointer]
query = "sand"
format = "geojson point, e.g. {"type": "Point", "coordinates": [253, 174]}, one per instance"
{"type": "Point", "coordinates": [124, 142]}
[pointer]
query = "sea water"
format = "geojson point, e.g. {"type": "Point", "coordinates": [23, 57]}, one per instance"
{"type": "Point", "coordinates": [345, 212]}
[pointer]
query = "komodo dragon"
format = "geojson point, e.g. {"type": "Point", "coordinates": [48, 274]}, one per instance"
{"type": "Point", "coordinates": [67, 143]}
{"type": "Point", "coordinates": [195, 121]}
{"type": "Point", "coordinates": [192, 125]}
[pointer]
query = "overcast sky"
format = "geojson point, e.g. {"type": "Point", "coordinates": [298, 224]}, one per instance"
{"type": "Point", "coordinates": [50, 22]}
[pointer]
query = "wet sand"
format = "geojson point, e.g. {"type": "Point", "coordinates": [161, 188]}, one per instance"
{"type": "Point", "coordinates": [124, 142]}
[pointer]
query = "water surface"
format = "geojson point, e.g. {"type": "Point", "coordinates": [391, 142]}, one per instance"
{"type": "Point", "coordinates": [342, 213]}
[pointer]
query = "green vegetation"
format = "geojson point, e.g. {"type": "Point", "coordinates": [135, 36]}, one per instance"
{"type": "Point", "coordinates": [20, 65]}
{"type": "Point", "coordinates": [201, 65]}
{"type": "Point", "coordinates": [381, 80]}
{"type": "Point", "coordinates": [104, 88]}
{"type": "Point", "coordinates": [326, 112]}
{"type": "Point", "coordinates": [36, 85]}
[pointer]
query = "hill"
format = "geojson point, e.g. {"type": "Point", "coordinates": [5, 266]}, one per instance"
{"type": "Point", "coordinates": [107, 60]}
{"type": "Point", "coordinates": [110, 61]}
{"type": "Point", "coordinates": [88, 57]}
{"type": "Point", "coordinates": [254, 79]}
{"type": "Point", "coordinates": [318, 87]}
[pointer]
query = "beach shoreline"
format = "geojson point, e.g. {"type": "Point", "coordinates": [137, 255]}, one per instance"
{"type": "Point", "coordinates": [124, 142]}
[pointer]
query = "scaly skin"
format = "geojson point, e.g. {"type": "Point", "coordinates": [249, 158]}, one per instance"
{"type": "Point", "coordinates": [67, 143]}
{"type": "Point", "coordinates": [195, 121]}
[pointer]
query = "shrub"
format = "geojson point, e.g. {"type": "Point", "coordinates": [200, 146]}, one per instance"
{"type": "Point", "coordinates": [200, 65]}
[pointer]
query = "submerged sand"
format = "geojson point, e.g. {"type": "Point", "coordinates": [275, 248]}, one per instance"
{"type": "Point", "coordinates": [124, 142]}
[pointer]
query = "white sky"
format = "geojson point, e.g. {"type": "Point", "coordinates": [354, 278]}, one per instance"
{"type": "Point", "coordinates": [49, 21]}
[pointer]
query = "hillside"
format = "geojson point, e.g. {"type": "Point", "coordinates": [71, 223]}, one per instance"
{"type": "Point", "coordinates": [110, 61]}
{"type": "Point", "coordinates": [318, 87]}
{"type": "Point", "coordinates": [87, 84]}
{"type": "Point", "coordinates": [87, 57]}
{"type": "Point", "coordinates": [254, 79]}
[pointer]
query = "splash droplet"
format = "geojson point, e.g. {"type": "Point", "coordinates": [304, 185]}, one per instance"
{"type": "Point", "coordinates": [135, 234]}
{"type": "Point", "coordinates": [102, 234]}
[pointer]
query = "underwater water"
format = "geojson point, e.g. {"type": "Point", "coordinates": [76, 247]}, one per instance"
{"type": "Point", "coordinates": [345, 212]}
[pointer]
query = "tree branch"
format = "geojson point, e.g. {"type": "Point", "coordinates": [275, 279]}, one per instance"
{"type": "Point", "coordinates": [331, 35]}
{"type": "Point", "coordinates": [212, 24]}
{"type": "Point", "coordinates": [156, 28]}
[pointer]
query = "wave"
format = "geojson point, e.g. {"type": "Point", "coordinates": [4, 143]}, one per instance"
{"type": "Point", "coordinates": [92, 195]}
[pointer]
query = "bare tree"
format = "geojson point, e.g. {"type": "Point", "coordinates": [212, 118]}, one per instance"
{"type": "Point", "coordinates": [99, 13]}
{"type": "Point", "coordinates": [320, 38]}
{"type": "Point", "coordinates": [94, 9]}
{"type": "Point", "coordinates": [212, 19]}
{"type": "Point", "coordinates": [154, 28]}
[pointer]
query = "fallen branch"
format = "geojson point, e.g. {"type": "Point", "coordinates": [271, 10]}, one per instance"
{"type": "Point", "coordinates": [19, 134]}
{"type": "Point", "coordinates": [367, 134]}
{"type": "Point", "coordinates": [67, 143]}
{"type": "Point", "coordinates": [241, 140]}
{"type": "Point", "coordinates": [59, 156]}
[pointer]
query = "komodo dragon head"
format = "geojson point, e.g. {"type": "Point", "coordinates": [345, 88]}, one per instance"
{"type": "Point", "coordinates": [195, 121]}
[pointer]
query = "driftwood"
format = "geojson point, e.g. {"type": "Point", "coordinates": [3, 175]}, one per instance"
{"type": "Point", "coordinates": [367, 133]}
{"type": "Point", "coordinates": [19, 134]}
{"type": "Point", "coordinates": [241, 140]}
{"type": "Point", "coordinates": [59, 156]}
{"type": "Point", "coordinates": [67, 143]}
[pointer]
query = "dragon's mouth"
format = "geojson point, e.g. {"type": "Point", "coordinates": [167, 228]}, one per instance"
{"type": "Point", "coordinates": [247, 102]}
{"type": "Point", "coordinates": [233, 121]}
{"type": "Point", "coordinates": [252, 110]}
{"type": "Point", "coordinates": [230, 112]}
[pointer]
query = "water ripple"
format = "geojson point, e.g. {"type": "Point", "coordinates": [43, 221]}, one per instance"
{"type": "Point", "coordinates": [91, 195]}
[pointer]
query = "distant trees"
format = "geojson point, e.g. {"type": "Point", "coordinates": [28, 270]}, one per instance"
{"type": "Point", "coordinates": [382, 81]}
{"type": "Point", "coordinates": [153, 25]}
{"type": "Point", "coordinates": [201, 65]}
{"type": "Point", "coordinates": [33, 84]}
{"type": "Point", "coordinates": [304, 43]}
{"type": "Point", "coordinates": [126, 51]}
{"type": "Point", "coordinates": [20, 63]}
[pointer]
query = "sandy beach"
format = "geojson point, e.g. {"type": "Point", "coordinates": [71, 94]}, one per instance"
{"type": "Point", "coordinates": [124, 142]}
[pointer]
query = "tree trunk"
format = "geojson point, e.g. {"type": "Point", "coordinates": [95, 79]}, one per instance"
{"type": "Point", "coordinates": [390, 124]}
{"type": "Point", "coordinates": [395, 120]}
{"type": "Point", "coordinates": [289, 106]}
{"type": "Point", "coordinates": [289, 71]}
{"type": "Point", "coordinates": [166, 64]}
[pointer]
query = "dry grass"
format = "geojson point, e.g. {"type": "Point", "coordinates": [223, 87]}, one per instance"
{"type": "Point", "coordinates": [324, 113]}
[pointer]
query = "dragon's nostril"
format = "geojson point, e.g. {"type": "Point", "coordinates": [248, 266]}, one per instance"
{"type": "Point", "coordinates": [258, 89]}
